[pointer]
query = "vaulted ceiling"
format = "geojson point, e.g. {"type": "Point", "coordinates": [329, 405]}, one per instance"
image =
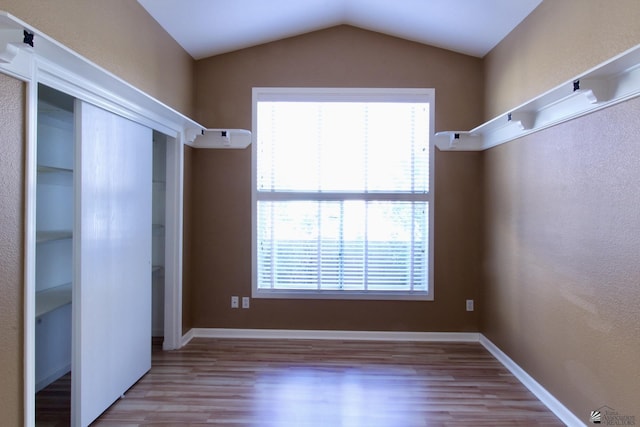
{"type": "Point", "coordinates": [210, 27]}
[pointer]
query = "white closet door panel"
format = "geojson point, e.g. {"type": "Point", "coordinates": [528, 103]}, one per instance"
{"type": "Point", "coordinates": [112, 290]}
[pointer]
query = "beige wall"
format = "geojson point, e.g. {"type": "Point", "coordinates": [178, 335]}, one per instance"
{"type": "Point", "coordinates": [562, 227]}
{"type": "Point", "coordinates": [220, 211]}
{"type": "Point", "coordinates": [120, 36]}
{"type": "Point", "coordinates": [11, 248]}
{"type": "Point", "coordinates": [563, 258]}
{"type": "Point", "coordinates": [559, 40]}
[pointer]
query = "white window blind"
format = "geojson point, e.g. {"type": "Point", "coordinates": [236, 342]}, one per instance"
{"type": "Point", "coordinates": [342, 193]}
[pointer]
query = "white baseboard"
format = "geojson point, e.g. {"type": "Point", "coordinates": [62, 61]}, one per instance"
{"type": "Point", "coordinates": [329, 335]}
{"type": "Point", "coordinates": [540, 392]}
{"type": "Point", "coordinates": [187, 337]}
{"type": "Point", "coordinates": [42, 383]}
{"type": "Point", "coordinates": [554, 405]}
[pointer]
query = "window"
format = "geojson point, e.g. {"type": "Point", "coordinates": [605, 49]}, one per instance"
{"type": "Point", "coordinates": [342, 206]}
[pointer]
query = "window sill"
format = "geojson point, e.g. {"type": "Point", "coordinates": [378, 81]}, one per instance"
{"type": "Point", "coordinates": [342, 295]}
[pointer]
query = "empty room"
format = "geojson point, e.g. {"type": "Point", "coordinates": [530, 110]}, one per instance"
{"type": "Point", "coordinates": [320, 213]}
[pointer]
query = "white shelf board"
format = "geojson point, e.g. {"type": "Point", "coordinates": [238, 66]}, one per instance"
{"type": "Point", "coordinates": [49, 236]}
{"type": "Point", "coordinates": [54, 170]}
{"type": "Point", "coordinates": [609, 83]}
{"type": "Point", "coordinates": [223, 139]}
{"type": "Point", "coordinates": [50, 299]}
{"type": "Point", "coordinates": [52, 175]}
{"type": "Point", "coordinates": [53, 116]}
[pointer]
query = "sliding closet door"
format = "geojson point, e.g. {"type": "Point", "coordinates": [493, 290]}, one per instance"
{"type": "Point", "coordinates": [112, 286]}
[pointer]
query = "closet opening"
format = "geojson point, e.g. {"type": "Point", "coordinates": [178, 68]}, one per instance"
{"type": "Point", "coordinates": [158, 253]}
{"type": "Point", "coordinates": [54, 254]}
{"type": "Point", "coordinates": [70, 138]}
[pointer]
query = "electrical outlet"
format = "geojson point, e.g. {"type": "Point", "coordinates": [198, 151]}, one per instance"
{"type": "Point", "coordinates": [234, 302]}
{"type": "Point", "coordinates": [469, 305]}
{"type": "Point", "coordinates": [245, 302]}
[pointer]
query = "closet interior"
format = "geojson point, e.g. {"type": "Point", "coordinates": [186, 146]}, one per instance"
{"type": "Point", "coordinates": [57, 249]}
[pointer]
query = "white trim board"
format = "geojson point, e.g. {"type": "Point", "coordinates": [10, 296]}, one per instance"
{"type": "Point", "coordinates": [547, 399]}
{"type": "Point", "coordinates": [293, 334]}
{"type": "Point", "coordinates": [52, 377]}
{"type": "Point", "coordinates": [69, 72]}
{"type": "Point", "coordinates": [554, 405]}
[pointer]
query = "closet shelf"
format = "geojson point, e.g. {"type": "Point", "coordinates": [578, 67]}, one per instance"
{"type": "Point", "coordinates": [50, 299]}
{"type": "Point", "coordinates": [53, 175]}
{"type": "Point", "coordinates": [609, 83]}
{"type": "Point", "coordinates": [49, 236]}
{"type": "Point", "coordinates": [54, 169]}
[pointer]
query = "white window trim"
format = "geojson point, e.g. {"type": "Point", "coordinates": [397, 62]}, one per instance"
{"type": "Point", "coordinates": [341, 94]}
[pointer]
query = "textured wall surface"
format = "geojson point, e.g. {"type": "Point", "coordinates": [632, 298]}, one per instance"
{"type": "Point", "coordinates": [563, 258]}
{"type": "Point", "coordinates": [120, 36]}
{"type": "Point", "coordinates": [220, 209]}
{"type": "Point", "coordinates": [562, 227]}
{"type": "Point", "coordinates": [11, 249]}
{"type": "Point", "coordinates": [559, 40]}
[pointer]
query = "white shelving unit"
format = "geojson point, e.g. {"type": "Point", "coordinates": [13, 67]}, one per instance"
{"type": "Point", "coordinates": [52, 298]}
{"type": "Point", "coordinates": [36, 59]}
{"type": "Point", "coordinates": [158, 219]}
{"type": "Point", "coordinates": [607, 84]}
{"type": "Point", "coordinates": [54, 236]}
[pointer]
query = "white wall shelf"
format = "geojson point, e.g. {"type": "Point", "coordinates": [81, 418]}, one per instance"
{"type": "Point", "coordinates": [52, 298]}
{"type": "Point", "coordinates": [54, 224]}
{"type": "Point", "coordinates": [609, 83]}
{"type": "Point", "coordinates": [223, 138]}
{"type": "Point", "coordinates": [62, 68]}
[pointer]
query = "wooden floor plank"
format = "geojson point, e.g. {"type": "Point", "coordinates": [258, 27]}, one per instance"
{"type": "Point", "coordinates": [321, 383]}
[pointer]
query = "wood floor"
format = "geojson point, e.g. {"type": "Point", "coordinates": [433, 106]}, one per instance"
{"type": "Point", "coordinates": [53, 404]}
{"type": "Point", "coordinates": [272, 383]}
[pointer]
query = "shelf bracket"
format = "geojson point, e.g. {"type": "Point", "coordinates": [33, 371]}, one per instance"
{"type": "Point", "coordinates": [454, 140]}
{"type": "Point", "coordinates": [10, 43]}
{"type": "Point", "coordinates": [190, 135]}
{"type": "Point", "coordinates": [594, 90]}
{"type": "Point", "coordinates": [522, 120]}
{"type": "Point", "coordinates": [223, 138]}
